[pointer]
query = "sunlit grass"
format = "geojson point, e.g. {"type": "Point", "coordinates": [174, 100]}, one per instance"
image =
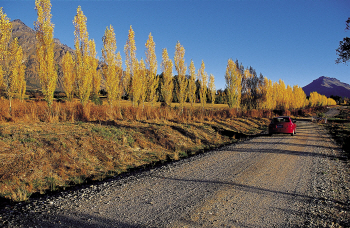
{"type": "Point", "coordinates": [43, 149]}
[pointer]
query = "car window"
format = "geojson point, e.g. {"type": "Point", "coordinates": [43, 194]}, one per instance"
{"type": "Point", "coordinates": [280, 120]}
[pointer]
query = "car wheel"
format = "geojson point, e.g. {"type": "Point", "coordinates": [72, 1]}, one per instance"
{"type": "Point", "coordinates": [293, 133]}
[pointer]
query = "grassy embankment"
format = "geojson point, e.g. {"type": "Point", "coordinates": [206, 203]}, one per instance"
{"type": "Point", "coordinates": [45, 150]}
{"type": "Point", "coordinates": [339, 128]}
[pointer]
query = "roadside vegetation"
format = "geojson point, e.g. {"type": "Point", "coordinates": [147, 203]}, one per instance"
{"type": "Point", "coordinates": [51, 148]}
{"type": "Point", "coordinates": [339, 128]}
{"type": "Point", "coordinates": [43, 152]}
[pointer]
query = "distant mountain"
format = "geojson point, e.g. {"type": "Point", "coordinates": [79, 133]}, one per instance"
{"type": "Point", "coordinates": [27, 40]}
{"type": "Point", "coordinates": [328, 86]}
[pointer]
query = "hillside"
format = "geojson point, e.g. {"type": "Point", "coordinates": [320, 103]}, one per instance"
{"type": "Point", "coordinates": [328, 86]}
{"type": "Point", "coordinates": [26, 38]}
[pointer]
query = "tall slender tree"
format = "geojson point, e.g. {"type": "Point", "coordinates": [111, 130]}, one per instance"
{"type": "Point", "coordinates": [68, 68]}
{"type": "Point", "coordinates": [192, 84]}
{"type": "Point", "coordinates": [22, 84]}
{"type": "Point", "coordinates": [212, 89]}
{"type": "Point", "coordinates": [246, 94]}
{"type": "Point", "coordinates": [5, 54]}
{"type": "Point", "coordinates": [95, 74]}
{"type": "Point", "coordinates": [83, 62]}
{"type": "Point", "coordinates": [151, 63]}
{"type": "Point", "coordinates": [203, 81]}
{"type": "Point", "coordinates": [270, 101]}
{"type": "Point", "coordinates": [281, 94]}
{"type": "Point", "coordinates": [45, 49]}
{"type": "Point", "coordinates": [181, 69]}
{"type": "Point", "coordinates": [5, 36]}
{"type": "Point", "coordinates": [14, 81]}
{"type": "Point", "coordinates": [112, 68]}
{"type": "Point", "coordinates": [12, 68]}
{"type": "Point", "coordinates": [167, 84]}
{"type": "Point", "coordinates": [233, 79]}
{"type": "Point", "coordinates": [139, 83]}
{"type": "Point", "coordinates": [130, 61]}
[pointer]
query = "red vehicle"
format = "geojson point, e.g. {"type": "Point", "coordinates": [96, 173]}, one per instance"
{"type": "Point", "coordinates": [282, 124]}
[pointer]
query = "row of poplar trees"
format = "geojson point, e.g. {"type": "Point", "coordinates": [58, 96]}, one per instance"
{"type": "Point", "coordinates": [245, 90]}
{"type": "Point", "coordinates": [139, 81]}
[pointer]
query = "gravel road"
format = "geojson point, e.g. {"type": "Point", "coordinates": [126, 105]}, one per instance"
{"type": "Point", "coordinates": [278, 181]}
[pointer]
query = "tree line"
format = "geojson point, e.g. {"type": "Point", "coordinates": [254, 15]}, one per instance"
{"type": "Point", "coordinates": [139, 82]}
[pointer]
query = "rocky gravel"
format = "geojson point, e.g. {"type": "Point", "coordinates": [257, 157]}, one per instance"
{"type": "Point", "coordinates": [278, 181]}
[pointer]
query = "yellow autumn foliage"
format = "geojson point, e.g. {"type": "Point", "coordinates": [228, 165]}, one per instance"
{"type": "Point", "coordinates": [45, 49]}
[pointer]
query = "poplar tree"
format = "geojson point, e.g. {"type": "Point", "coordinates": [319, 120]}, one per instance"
{"type": "Point", "coordinates": [83, 62]}
{"type": "Point", "coordinates": [12, 68]}
{"type": "Point", "coordinates": [299, 97]}
{"type": "Point", "coordinates": [14, 81]}
{"type": "Point", "coordinates": [314, 99]}
{"type": "Point", "coordinates": [5, 36]}
{"type": "Point", "coordinates": [233, 79]}
{"type": "Point", "coordinates": [22, 84]}
{"type": "Point", "coordinates": [288, 97]}
{"type": "Point", "coordinates": [167, 84]}
{"type": "Point", "coordinates": [45, 49]}
{"type": "Point", "coordinates": [192, 84]}
{"type": "Point", "coordinates": [281, 95]}
{"type": "Point", "coordinates": [270, 101]}
{"type": "Point", "coordinates": [5, 55]}
{"type": "Point", "coordinates": [130, 61]}
{"type": "Point", "coordinates": [151, 63]}
{"type": "Point", "coordinates": [112, 68]}
{"type": "Point", "coordinates": [246, 94]}
{"type": "Point", "coordinates": [203, 81]}
{"type": "Point", "coordinates": [212, 89]}
{"type": "Point", "coordinates": [95, 74]}
{"type": "Point", "coordinates": [139, 83]}
{"type": "Point", "coordinates": [68, 65]}
{"type": "Point", "coordinates": [181, 72]}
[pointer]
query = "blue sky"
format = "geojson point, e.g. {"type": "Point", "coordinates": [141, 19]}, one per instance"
{"type": "Point", "coordinates": [292, 40]}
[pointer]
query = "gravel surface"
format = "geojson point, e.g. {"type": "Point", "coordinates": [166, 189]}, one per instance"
{"type": "Point", "coordinates": [278, 181]}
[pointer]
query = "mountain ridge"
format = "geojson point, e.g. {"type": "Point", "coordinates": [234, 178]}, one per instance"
{"type": "Point", "coordinates": [328, 86]}
{"type": "Point", "coordinates": [27, 40]}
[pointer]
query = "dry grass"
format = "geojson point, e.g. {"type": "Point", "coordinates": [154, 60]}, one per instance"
{"type": "Point", "coordinates": [339, 127]}
{"type": "Point", "coordinates": [44, 149]}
